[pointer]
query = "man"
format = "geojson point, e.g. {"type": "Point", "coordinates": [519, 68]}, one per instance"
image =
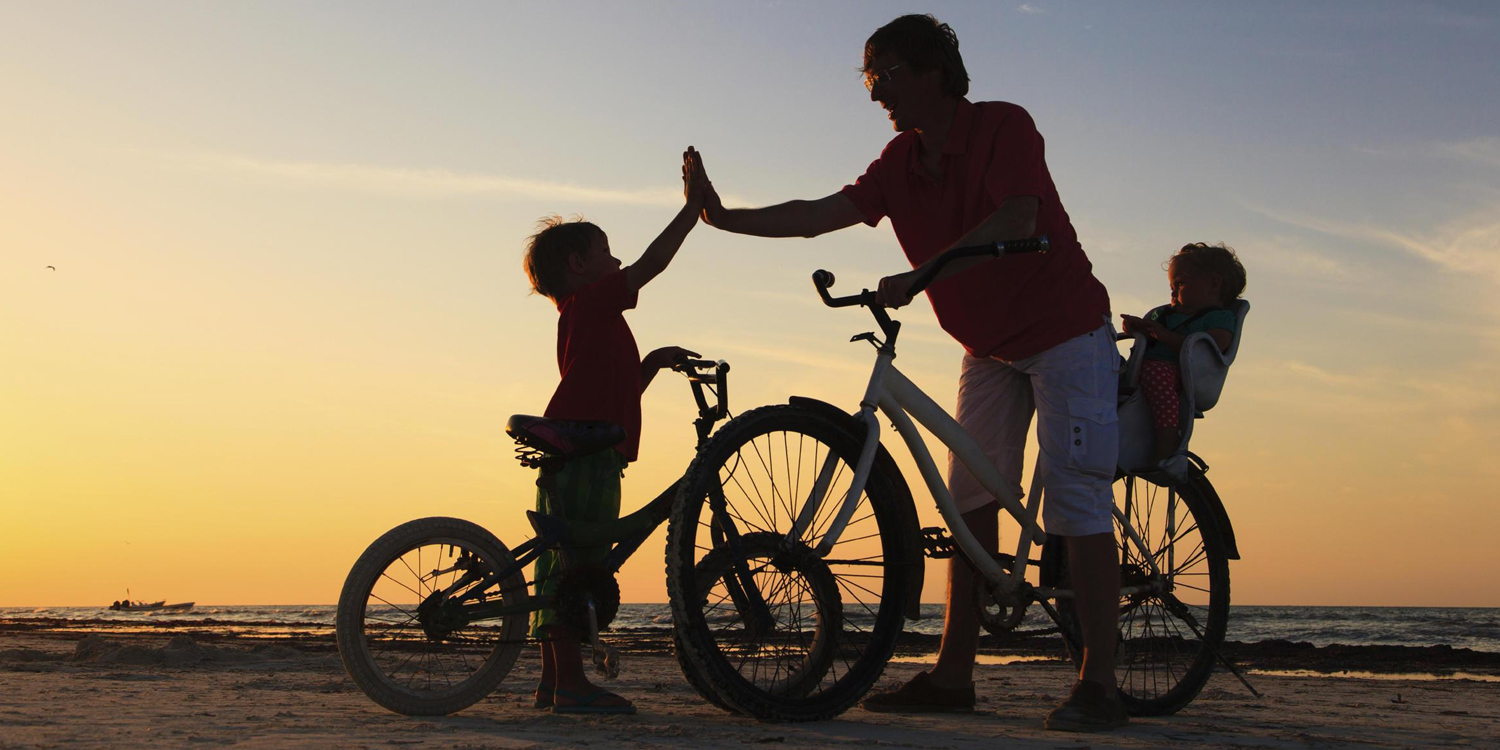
{"type": "Point", "coordinates": [1035, 329]}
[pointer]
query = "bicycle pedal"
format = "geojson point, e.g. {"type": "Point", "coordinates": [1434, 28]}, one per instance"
{"type": "Point", "coordinates": [937, 543]}
{"type": "Point", "coordinates": [606, 661]}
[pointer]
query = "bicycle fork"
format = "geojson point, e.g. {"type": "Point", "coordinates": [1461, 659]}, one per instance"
{"type": "Point", "coordinates": [819, 491]}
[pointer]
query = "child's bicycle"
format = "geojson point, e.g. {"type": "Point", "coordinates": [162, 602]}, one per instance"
{"type": "Point", "coordinates": [825, 522]}
{"type": "Point", "coordinates": [435, 612]}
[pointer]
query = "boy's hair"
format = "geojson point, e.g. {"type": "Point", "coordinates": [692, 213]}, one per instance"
{"type": "Point", "coordinates": [547, 251]}
{"type": "Point", "coordinates": [925, 44]}
{"type": "Point", "coordinates": [1217, 259]}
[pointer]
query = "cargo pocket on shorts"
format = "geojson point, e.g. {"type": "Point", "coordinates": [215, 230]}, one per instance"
{"type": "Point", "coordinates": [1093, 436]}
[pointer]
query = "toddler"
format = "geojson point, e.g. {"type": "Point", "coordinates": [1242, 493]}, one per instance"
{"type": "Point", "coordinates": [1205, 280]}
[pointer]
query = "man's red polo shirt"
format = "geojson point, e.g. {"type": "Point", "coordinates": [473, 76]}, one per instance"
{"type": "Point", "coordinates": [1011, 308]}
{"type": "Point", "coordinates": [598, 359]}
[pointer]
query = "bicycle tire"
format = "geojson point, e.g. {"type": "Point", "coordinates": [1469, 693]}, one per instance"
{"type": "Point", "coordinates": [388, 583]}
{"type": "Point", "coordinates": [757, 450]}
{"type": "Point", "coordinates": [695, 676]}
{"type": "Point", "coordinates": [1169, 636]}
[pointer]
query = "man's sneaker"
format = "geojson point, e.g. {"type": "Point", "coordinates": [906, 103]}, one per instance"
{"type": "Point", "coordinates": [919, 695]}
{"type": "Point", "coordinates": [1088, 709]}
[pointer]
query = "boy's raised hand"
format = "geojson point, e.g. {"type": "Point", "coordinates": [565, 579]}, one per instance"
{"type": "Point", "coordinates": [666, 357]}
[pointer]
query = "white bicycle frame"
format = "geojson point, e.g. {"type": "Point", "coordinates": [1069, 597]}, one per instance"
{"type": "Point", "coordinates": [900, 400]}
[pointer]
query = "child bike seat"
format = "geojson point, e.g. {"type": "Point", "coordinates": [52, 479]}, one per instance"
{"type": "Point", "coordinates": [560, 438]}
{"type": "Point", "coordinates": [1203, 369]}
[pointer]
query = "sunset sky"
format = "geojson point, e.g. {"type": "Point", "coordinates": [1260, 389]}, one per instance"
{"type": "Point", "coordinates": [288, 310]}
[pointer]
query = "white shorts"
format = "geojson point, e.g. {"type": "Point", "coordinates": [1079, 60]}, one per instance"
{"type": "Point", "coordinates": [1072, 389]}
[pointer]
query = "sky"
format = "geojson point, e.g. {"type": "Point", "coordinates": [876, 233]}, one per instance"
{"type": "Point", "coordinates": [288, 313]}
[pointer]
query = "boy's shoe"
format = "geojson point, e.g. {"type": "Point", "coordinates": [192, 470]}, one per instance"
{"type": "Point", "coordinates": [1088, 709]}
{"type": "Point", "coordinates": [919, 695]}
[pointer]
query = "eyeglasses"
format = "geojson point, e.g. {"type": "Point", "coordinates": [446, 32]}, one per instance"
{"type": "Point", "coordinates": [882, 75]}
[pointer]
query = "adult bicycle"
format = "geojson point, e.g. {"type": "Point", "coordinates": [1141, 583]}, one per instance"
{"type": "Point", "coordinates": [823, 519]}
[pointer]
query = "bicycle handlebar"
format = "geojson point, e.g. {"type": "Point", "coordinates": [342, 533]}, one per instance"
{"type": "Point", "coordinates": [713, 375]}
{"type": "Point", "coordinates": [822, 280]}
{"type": "Point", "coordinates": [995, 249]}
{"type": "Point", "coordinates": [691, 368]}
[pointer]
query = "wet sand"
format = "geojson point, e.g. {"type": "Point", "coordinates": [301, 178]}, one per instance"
{"type": "Point", "coordinates": [170, 688]}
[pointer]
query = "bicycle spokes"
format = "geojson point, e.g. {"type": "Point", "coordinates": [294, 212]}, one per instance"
{"type": "Point", "coordinates": [416, 626]}
{"type": "Point", "coordinates": [1175, 595]}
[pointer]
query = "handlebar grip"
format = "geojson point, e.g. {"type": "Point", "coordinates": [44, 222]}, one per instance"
{"type": "Point", "coordinates": [1032, 245]}
{"type": "Point", "coordinates": [994, 249]}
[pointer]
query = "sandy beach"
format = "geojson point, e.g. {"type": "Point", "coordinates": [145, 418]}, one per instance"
{"type": "Point", "coordinates": [177, 688]}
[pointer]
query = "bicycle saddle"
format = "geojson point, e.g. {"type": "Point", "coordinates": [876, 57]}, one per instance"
{"type": "Point", "coordinates": [561, 438]}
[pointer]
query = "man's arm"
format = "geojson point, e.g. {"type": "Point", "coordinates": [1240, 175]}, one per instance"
{"type": "Point", "coordinates": [791, 219]}
{"type": "Point", "coordinates": [1015, 219]}
{"type": "Point", "coordinates": [799, 218]}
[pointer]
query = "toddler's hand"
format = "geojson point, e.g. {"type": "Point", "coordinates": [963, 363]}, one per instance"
{"type": "Point", "coordinates": [1150, 328]}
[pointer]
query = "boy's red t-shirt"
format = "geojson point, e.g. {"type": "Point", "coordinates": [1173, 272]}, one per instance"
{"type": "Point", "coordinates": [1012, 308]}
{"type": "Point", "coordinates": [598, 360]}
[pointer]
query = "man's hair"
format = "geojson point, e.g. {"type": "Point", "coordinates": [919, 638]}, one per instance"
{"type": "Point", "coordinates": [1217, 259]}
{"type": "Point", "coordinates": [924, 44]}
{"type": "Point", "coordinates": [547, 251]}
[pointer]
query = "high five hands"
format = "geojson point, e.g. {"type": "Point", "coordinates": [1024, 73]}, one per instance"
{"type": "Point", "coordinates": [712, 207]}
{"type": "Point", "coordinates": [695, 185]}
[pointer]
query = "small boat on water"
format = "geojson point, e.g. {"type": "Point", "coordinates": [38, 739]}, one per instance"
{"type": "Point", "coordinates": [129, 606]}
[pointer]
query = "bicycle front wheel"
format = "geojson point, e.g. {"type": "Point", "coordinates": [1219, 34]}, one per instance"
{"type": "Point", "coordinates": [769, 623]}
{"type": "Point", "coordinates": [1174, 601]}
{"type": "Point", "coordinates": [402, 632]}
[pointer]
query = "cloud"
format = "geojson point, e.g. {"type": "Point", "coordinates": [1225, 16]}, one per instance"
{"type": "Point", "coordinates": [1382, 390]}
{"type": "Point", "coordinates": [1469, 244]}
{"type": "Point", "coordinates": [1293, 257]}
{"type": "Point", "coordinates": [1320, 375]}
{"type": "Point", "coordinates": [1030, 10]}
{"type": "Point", "coordinates": [1482, 151]}
{"type": "Point", "coordinates": [419, 182]}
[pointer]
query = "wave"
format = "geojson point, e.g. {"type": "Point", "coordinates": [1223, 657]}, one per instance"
{"type": "Point", "coordinates": [1473, 628]}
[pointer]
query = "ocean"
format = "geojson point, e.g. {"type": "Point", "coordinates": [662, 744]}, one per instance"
{"type": "Point", "coordinates": [1472, 628]}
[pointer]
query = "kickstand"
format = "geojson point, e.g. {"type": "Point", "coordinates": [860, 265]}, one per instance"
{"type": "Point", "coordinates": [1188, 618]}
{"type": "Point", "coordinates": [606, 658]}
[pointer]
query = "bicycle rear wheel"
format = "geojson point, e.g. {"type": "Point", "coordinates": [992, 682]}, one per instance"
{"type": "Point", "coordinates": [775, 630]}
{"type": "Point", "coordinates": [402, 634]}
{"type": "Point", "coordinates": [1173, 616]}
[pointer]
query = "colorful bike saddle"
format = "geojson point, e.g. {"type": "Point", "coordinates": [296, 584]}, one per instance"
{"type": "Point", "coordinates": [561, 438]}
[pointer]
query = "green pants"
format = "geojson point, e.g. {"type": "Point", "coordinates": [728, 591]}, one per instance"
{"type": "Point", "coordinates": [588, 491]}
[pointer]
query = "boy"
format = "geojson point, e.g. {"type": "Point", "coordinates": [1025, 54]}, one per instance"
{"type": "Point", "coordinates": [603, 376]}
